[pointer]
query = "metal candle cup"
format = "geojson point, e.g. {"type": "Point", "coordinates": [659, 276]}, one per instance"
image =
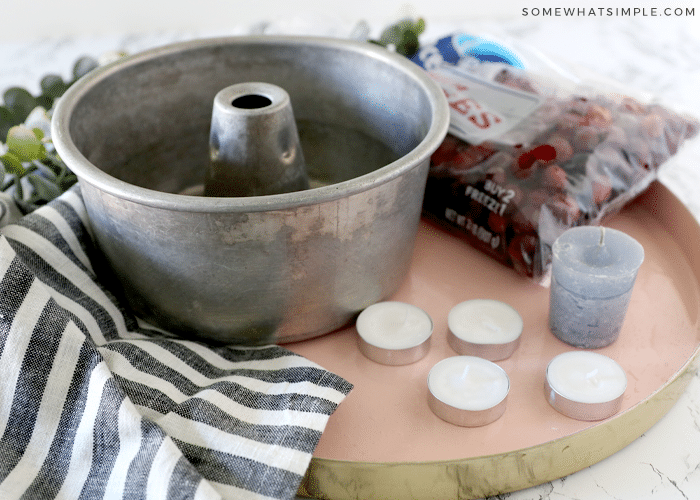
{"type": "Point", "coordinates": [467, 391]}
{"type": "Point", "coordinates": [585, 385]}
{"type": "Point", "coordinates": [489, 329]}
{"type": "Point", "coordinates": [394, 333]}
{"type": "Point", "coordinates": [593, 273]}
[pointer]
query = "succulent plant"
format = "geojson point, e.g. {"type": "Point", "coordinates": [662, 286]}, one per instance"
{"type": "Point", "coordinates": [402, 36]}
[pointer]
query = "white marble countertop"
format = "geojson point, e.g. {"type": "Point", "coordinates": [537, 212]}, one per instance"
{"type": "Point", "coordinates": [657, 55]}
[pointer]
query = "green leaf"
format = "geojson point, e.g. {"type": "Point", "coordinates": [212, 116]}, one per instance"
{"type": "Point", "coordinates": [30, 153]}
{"type": "Point", "coordinates": [24, 144]}
{"type": "Point", "coordinates": [44, 190]}
{"type": "Point", "coordinates": [20, 102]}
{"type": "Point", "coordinates": [45, 101]}
{"type": "Point", "coordinates": [390, 36]}
{"type": "Point", "coordinates": [83, 66]}
{"type": "Point", "coordinates": [38, 133]}
{"type": "Point", "coordinates": [45, 171]}
{"type": "Point", "coordinates": [408, 45]}
{"type": "Point", "coordinates": [67, 180]}
{"type": "Point", "coordinates": [403, 36]}
{"type": "Point", "coordinates": [7, 121]}
{"type": "Point", "coordinates": [53, 85]}
{"type": "Point", "coordinates": [12, 164]}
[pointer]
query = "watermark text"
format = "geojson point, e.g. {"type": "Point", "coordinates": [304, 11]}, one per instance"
{"type": "Point", "coordinates": [608, 11]}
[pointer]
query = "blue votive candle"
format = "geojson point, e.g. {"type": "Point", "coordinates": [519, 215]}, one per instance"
{"type": "Point", "coordinates": [593, 273]}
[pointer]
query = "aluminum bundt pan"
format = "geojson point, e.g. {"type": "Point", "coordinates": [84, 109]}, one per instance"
{"type": "Point", "coordinates": [253, 269]}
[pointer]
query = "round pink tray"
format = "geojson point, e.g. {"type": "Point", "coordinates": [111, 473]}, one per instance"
{"type": "Point", "coordinates": [384, 442]}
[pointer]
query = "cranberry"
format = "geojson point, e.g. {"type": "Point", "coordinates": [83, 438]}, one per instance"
{"type": "Point", "coordinates": [555, 177]}
{"type": "Point", "coordinates": [500, 159]}
{"type": "Point", "coordinates": [586, 138]}
{"type": "Point", "coordinates": [526, 218]}
{"type": "Point", "coordinates": [446, 151]}
{"type": "Point", "coordinates": [522, 250]}
{"type": "Point", "coordinates": [570, 121]}
{"type": "Point", "coordinates": [524, 173]}
{"type": "Point", "coordinates": [537, 197]}
{"type": "Point", "coordinates": [468, 157]}
{"type": "Point", "coordinates": [653, 125]}
{"type": "Point", "coordinates": [497, 223]}
{"type": "Point", "coordinates": [601, 188]}
{"type": "Point", "coordinates": [517, 196]}
{"type": "Point", "coordinates": [632, 105]}
{"type": "Point", "coordinates": [599, 116]}
{"type": "Point", "coordinates": [579, 105]}
{"type": "Point", "coordinates": [545, 153]}
{"type": "Point", "coordinates": [562, 147]}
{"type": "Point", "coordinates": [616, 135]}
{"type": "Point", "coordinates": [497, 174]}
{"type": "Point", "coordinates": [565, 208]}
{"type": "Point", "coordinates": [525, 160]}
{"type": "Point", "coordinates": [640, 153]}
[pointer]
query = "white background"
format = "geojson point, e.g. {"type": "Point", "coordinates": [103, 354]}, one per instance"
{"type": "Point", "coordinates": [41, 19]}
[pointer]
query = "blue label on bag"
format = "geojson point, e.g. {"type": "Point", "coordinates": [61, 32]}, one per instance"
{"type": "Point", "coordinates": [452, 49]}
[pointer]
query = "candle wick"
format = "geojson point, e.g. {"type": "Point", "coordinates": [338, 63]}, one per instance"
{"type": "Point", "coordinates": [591, 376]}
{"type": "Point", "coordinates": [405, 317]}
{"type": "Point", "coordinates": [465, 373]}
{"type": "Point", "coordinates": [602, 236]}
{"type": "Point", "coordinates": [398, 322]}
{"type": "Point", "coordinates": [490, 325]}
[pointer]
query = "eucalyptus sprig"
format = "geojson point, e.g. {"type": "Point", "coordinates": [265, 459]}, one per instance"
{"type": "Point", "coordinates": [19, 102]}
{"type": "Point", "coordinates": [30, 169]}
{"type": "Point", "coordinates": [402, 36]}
{"type": "Point", "coordinates": [31, 162]}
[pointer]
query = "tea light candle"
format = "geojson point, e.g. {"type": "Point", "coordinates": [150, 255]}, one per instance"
{"type": "Point", "coordinates": [585, 385]}
{"type": "Point", "coordinates": [486, 328]}
{"type": "Point", "coordinates": [394, 333]}
{"type": "Point", "coordinates": [593, 273]}
{"type": "Point", "coordinates": [467, 391]}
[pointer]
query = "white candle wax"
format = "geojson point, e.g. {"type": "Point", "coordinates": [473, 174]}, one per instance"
{"type": "Point", "coordinates": [467, 390]}
{"type": "Point", "coordinates": [486, 328]}
{"type": "Point", "coordinates": [593, 273]}
{"type": "Point", "coordinates": [585, 385]}
{"type": "Point", "coordinates": [394, 332]}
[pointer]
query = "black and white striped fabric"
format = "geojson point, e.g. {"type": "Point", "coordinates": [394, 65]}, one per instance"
{"type": "Point", "coordinates": [95, 404]}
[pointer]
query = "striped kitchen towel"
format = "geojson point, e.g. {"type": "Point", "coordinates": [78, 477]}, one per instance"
{"type": "Point", "coordinates": [96, 404]}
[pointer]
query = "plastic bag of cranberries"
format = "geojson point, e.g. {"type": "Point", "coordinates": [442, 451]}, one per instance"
{"type": "Point", "coordinates": [527, 158]}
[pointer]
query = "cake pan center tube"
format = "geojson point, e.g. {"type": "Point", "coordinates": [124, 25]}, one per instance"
{"type": "Point", "coordinates": [253, 143]}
